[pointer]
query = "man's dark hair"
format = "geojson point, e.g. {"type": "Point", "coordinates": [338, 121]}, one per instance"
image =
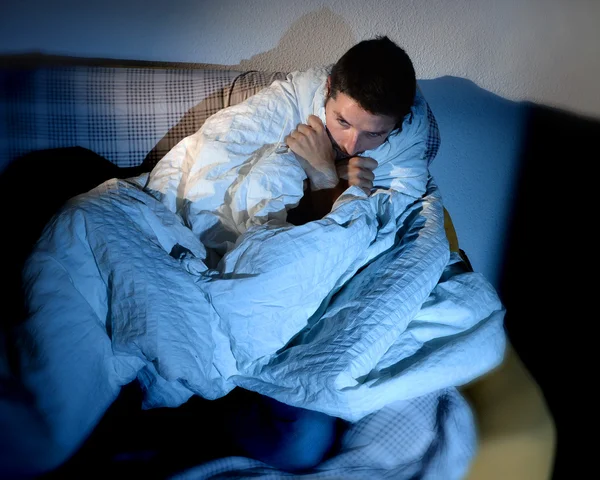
{"type": "Point", "coordinates": [379, 75]}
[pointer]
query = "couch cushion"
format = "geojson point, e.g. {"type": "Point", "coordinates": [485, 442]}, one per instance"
{"type": "Point", "coordinates": [119, 113]}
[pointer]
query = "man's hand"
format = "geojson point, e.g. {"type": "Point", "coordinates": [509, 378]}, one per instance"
{"type": "Point", "coordinates": [358, 171]}
{"type": "Point", "coordinates": [311, 144]}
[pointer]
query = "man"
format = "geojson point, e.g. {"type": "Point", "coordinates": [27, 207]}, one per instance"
{"type": "Point", "coordinates": [360, 119]}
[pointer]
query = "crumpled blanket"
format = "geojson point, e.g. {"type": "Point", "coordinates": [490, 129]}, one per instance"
{"type": "Point", "coordinates": [289, 316]}
{"type": "Point", "coordinates": [192, 281]}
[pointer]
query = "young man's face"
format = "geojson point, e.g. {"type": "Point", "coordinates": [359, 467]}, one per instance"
{"type": "Point", "coordinates": [352, 129]}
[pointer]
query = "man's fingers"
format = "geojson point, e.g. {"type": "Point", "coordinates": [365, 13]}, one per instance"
{"type": "Point", "coordinates": [363, 184]}
{"type": "Point", "coordinates": [359, 177]}
{"type": "Point", "coordinates": [364, 162]}
{"type": "Point", "coordinates": [342, 171]}
{"type": "Point", "coordinates": [292, 140]}
{"type": "Point", "coordinates": [315, 123]}
{"type": "Point", "coordinates": [353, 173]}
{"type": "Point", "coordinates": [304, 129]}
{"type": "Point", "coordinates": [296, 135]}
{"type": "Point", "coordinates": [365, 174]}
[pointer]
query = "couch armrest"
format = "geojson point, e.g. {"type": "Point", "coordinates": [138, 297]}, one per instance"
{"type": "Point", "coordinates": [517, 434]}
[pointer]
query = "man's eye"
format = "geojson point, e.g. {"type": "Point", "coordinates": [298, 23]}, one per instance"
{"type": "Point", "coordinates": [375, 135]}
{"type": "Point", "coordinates": [342, 122]}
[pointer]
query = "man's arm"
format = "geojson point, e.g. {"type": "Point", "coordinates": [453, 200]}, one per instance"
{"type": "Point", "coordinates": [313, 149]}
{"type": "Point", "coordinates": [326, 180]}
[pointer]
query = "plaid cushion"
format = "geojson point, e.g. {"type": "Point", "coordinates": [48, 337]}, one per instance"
{"type": "Point", "coordinates": [129, 115]}
{"type": "Point", "coordinates": [119, 113]}
{"type": "Point", "coordinates": [433, 137]}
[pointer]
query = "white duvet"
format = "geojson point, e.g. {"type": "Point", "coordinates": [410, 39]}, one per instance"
{"type": "Point", "coordinates": [193, 282]}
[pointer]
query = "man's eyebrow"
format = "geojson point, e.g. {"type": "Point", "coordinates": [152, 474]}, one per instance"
{"type": "Point", "coordinates": [378, 133]}
{"type": "Point", "coordinates": [340, 117]}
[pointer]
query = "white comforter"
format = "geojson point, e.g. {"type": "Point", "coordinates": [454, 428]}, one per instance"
{"type": "Point", "coordinates": [194, 283]}
{"type": "Point", "coordinates": [388, 334]}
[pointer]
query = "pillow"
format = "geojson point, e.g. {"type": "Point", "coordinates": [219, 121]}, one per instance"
{"type": "Point", "coordinates": [120, 113]}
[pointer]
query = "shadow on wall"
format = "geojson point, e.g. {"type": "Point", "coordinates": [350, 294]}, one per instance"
{"type": "Point", "coordinates": [548, 260]}
{"type": "Point", "coordinates": [316, 39]}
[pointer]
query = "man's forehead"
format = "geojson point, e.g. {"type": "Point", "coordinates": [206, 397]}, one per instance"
{"type": "Point", "coordinates": [351, 111]}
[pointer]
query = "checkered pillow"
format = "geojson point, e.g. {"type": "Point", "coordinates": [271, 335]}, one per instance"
{"type": "Point", "coordinates": [119, 113]}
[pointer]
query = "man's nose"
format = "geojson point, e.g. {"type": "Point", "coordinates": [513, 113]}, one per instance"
{"type": "Point", "coordinates": [351, 143]}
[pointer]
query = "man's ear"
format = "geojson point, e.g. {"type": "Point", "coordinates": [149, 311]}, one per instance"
{"type": "Point", "coordinates": [328, 86]}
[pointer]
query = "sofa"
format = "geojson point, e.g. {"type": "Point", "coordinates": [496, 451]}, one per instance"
{"type": "Point", "coordinates": [92, 120]}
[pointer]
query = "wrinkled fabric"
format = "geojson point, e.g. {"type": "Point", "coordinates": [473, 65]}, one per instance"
{"type": "Point", "coordinates": [289, 315]}
{"type": "Point", "coordinates": [193, 281]}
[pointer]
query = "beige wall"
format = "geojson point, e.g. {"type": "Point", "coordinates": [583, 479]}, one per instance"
{"type": "Point", "coordinates": [542, 50]}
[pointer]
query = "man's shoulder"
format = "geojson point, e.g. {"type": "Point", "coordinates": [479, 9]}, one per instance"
{"type": "Point", "coordinates": [310, 74]}
{"type": "Point", "coordinates": [309, 88]}
{"type": "Point", "coordinates": [310, 79]}
{"type": "Point", "coordinates": [418, 131]}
